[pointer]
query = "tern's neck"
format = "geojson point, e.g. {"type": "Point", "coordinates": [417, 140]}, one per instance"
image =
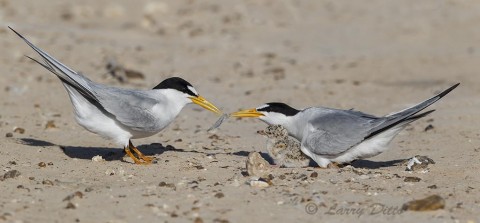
{"type": "Point", "coordinates": [171, 102]}
{"type": "Point", "coordinates": [296, 126]}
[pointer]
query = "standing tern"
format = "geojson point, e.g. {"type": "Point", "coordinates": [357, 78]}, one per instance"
{"type": "Point", "coordinates": [340, 136]}
{"type": "Point", "coordinates": [123, 114]}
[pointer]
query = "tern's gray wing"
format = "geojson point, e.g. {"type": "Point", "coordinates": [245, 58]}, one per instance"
{"type": "Point", "coordinates": [331, 131]}
{"type": "Point", "coordinates": [129, 107]}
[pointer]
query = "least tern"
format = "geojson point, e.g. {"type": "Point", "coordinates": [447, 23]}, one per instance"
{"type": "Point", "coordinates": [123, 114]}
{"type": "Point", "coordinates": [340, 136]}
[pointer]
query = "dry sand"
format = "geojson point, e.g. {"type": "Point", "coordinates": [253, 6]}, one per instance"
{"type": "Point", "coordinates": [374, 56]}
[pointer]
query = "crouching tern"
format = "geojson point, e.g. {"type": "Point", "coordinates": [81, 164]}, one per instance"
{"type": "Point", "coordinates": [123, 114]}
{"type": "Point", "coordinates": [340, 136]}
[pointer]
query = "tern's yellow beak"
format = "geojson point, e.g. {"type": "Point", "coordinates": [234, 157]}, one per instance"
{"type": "Point", "coordinates": [249, 113]}
{"type": "Point", "coordinates": [199, 100]}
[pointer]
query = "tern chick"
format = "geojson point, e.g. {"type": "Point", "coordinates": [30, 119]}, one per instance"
{"type": "Point", "coordinates": [284, 150]}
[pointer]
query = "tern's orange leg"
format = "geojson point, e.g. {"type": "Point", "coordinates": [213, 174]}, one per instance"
{"type": "Point", "coordinates": [147, 159]}
{"type": "Point", "coordinates": [130, 154]}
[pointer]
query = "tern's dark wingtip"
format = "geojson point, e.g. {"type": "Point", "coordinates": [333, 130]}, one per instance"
{"type": "Point", "coordinates": [445, 92]}
{"type": "Point", "coordinates": [18, 34]}
{"type": "Point", "coordinates": [421, 115]}
{"type": "Point", "coordinates": [13, 30]}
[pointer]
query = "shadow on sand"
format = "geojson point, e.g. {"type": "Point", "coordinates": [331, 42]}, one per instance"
{"type": "Point", "coordinates": [109, 154]}
{"type": "Point", "coordinates": [368, 164]}
{"type": "Point", "coordinates": [83, 152]}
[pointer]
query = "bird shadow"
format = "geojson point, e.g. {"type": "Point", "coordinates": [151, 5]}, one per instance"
{"type": "Point", "coordinates": [368, 164]}
{"type": "Point", "coordinates": [241, 153]}
{"type": "Point", "coordinates": [109, 154]}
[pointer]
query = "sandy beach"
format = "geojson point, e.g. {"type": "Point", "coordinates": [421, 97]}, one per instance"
{"type": "Point", "coordinates": [374, 56]}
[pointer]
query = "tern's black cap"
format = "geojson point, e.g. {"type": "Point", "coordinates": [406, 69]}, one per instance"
{"type": "Point", "coordinates": [279, 107]}
{"type": "Point", "coordinates": [176, 83]}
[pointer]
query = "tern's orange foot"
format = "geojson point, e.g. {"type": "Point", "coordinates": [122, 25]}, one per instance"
{"type": "Point", "coordinates": [143, 163]}
{"type": "Point", "coordinates": [147, 159]}
{"type": "Point", "coordinates": [142, 159]}
{"type": "Point", "coordinates": [135, 159]}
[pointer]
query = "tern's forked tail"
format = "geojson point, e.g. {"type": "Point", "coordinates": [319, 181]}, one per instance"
{"type": "Point", "coordinates": [64, 73]}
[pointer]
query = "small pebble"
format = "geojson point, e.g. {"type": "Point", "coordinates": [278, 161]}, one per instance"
{"type": "Point", "coordinates": [70, 205]}
{"type": "Point", "coordinates": [19, 130]}
{"type": "Point", "coordinates": [47, 182]}
{"type": "Point", "coordinates": [314, 175]}
{"type": "Point", "coordinates": [11, 174]}
{"type": "Point", "coordinates": [9, 134]}
{"type": "Point", "coordinates": [218, 220]}
{"type": "Point", "coordinates": [42, 164]}
{"type": "Point", "coordinates": [88, 189]}
{"type": "Point", "coordinates": [259, 184]}
{"type": "Point", "coordinates": [97, 158]}
{"type": "Point", "coordinates": [267, 180]}
{"type": "Point", "coordinates": [411, 179]}
{"type": "Point", "coordinates": [429, 127]}
{"type": "Point", "coordinates": [133, 74]}
{"type": "Point", "coordinates": [219, 195]}
{"type": "Point", "coordinates": [418, 163]}
{"type": "Point", "coordinates": [74, 195]}
{"type": "Point", "coordinates": [163, 184]}
{"type": "Point", "coordinates": [50, 125]}
{"type": "Point", "coordinates": [270, 177]}
{"type": "Point", "coordinates": [257, 166]}
{"type": "Point", "coordinates": [430, 203]}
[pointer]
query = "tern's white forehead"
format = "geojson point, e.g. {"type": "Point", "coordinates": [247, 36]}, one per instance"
{"type": "Point", "coordinates": [192, 89]}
